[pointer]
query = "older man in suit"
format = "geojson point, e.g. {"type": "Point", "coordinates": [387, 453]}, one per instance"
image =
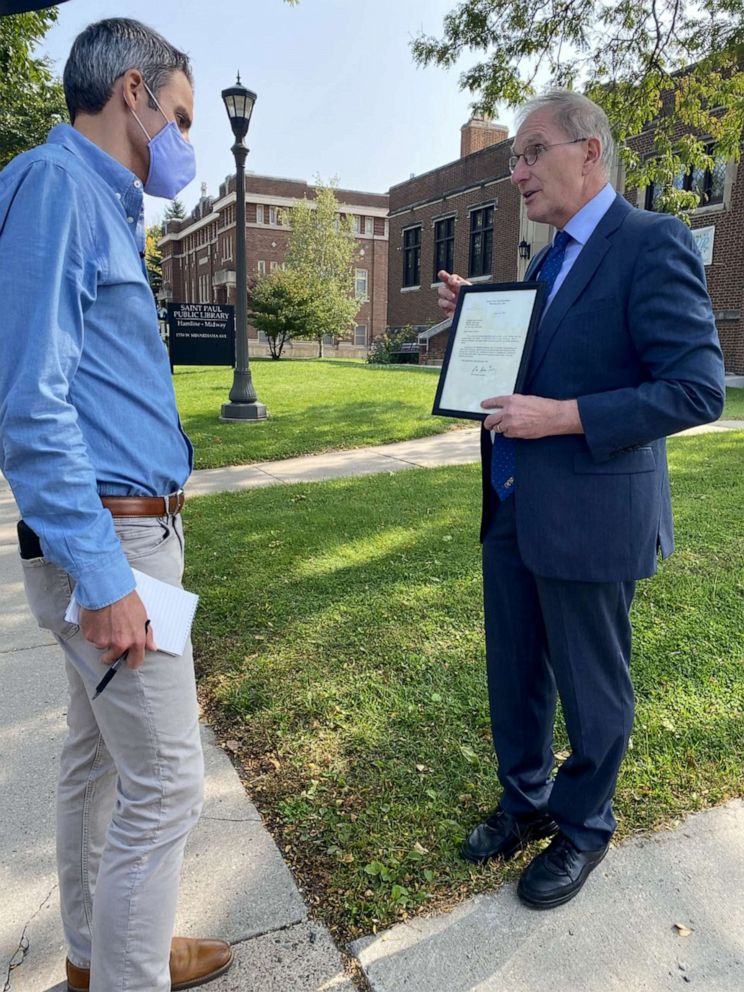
{"type": "Point", "coordinates": [576, 501]}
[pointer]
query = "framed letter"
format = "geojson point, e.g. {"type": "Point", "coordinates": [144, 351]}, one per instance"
{"type": "Point", "coordinates": [489, 346]}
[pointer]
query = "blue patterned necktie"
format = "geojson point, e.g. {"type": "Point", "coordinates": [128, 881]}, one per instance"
{"type": "Point", "coordinates": [502, 456]}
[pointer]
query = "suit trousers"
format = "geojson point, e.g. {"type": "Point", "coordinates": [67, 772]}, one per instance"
{"type": "Point", "coordinates": [547, 638]}
{"type": "Point", "coordinates": [130, 783]}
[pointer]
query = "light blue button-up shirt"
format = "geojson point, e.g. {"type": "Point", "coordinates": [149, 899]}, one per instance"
{"type": "Point", "coordinates": [581, 227]}
{"type": "Point", "coordinates": [86, 399]}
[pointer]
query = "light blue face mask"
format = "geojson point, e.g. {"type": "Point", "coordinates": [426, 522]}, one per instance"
{"type": "Point", "coordinates": [172, 158]}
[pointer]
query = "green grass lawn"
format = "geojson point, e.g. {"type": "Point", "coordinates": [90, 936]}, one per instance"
{"type": "Point", "coordinates": [342, 404]}
{"type": "Point", "coordinates": [313, 406]}
{"type": "Point", "coordinates": [340, 655]}
{"type": "Point", "coordinates": [734, 409]}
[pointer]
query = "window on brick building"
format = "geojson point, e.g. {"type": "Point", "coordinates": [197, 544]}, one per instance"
{"type": "Point", "coordinates": [261, 267]}
{"type": "Point", "coordinates": [369, 225]}
{"type": "Point", "coordinates": [259, 213]}
{"type": "Point", "coordinates": [358, 224]}
{"type": "Point", "coordinates": [276, 216]}
{"type": "Point", "coordinates": [360, 336]}
{"type": "Point", "coordinates": [412, 257]}
{"type": "Point", "coordinates": [444, 245]}
{"type": "Point", "coordinates": [273, 266]}
{"type": "Point", "coordinates": [481, 241]}
{"type": "Point", "coordinates": [709, 184]}
{"type": "Point", "coordinates": [361, 279]}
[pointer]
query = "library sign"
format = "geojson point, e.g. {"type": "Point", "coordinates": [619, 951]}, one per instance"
{"type": "Point", "coordinates": [201, 334]}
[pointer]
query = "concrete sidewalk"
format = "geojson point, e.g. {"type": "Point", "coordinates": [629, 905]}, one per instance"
{"type": "Point", "coordinates": [235, 882]}
{"type": "Point", "coordinates": [456, 447]}
{"type": "Point", "coordinates": [617, 935]}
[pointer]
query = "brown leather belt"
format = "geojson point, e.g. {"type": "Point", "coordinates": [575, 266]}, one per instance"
{"type": "Point", "coordinates": [144, 506]}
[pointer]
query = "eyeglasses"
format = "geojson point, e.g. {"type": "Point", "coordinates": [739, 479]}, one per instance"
{"type": "Point", "coordinates": [533, 152]}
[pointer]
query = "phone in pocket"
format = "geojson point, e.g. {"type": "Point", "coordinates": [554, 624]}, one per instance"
{"type": "Point", "coordinates": [29, 542]}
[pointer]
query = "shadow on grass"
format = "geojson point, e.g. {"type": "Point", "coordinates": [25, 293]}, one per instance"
{"type": "Point", "coordinates": [319, 427]}
{"type": "Point", "coordinates": [340, 643]}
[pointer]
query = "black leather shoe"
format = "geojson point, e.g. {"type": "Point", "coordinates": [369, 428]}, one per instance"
{"type": "Point", "coordinates": [557, 873]}
{"type": "Point", "coordinates": [502, 835]}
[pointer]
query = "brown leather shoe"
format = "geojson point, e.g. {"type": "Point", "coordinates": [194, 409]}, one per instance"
{"type": "Point", "coordinates": [78, 979]}
{"type": "Point", "coordinates": [192, 962]}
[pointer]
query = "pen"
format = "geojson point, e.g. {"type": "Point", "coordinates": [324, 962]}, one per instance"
{"type": "Point", "coordinates": [110, 674]}
{"type": "Point", "coordinates": [114, 669]}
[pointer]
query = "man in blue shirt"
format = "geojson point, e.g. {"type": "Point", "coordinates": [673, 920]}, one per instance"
{"type": "Point", "coordinates": [576, 499]}
{"type": "Point", "coordinates": [91, 444]}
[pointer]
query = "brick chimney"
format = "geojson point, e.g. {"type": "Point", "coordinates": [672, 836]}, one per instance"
{"type": "Point", "coordinates": [478, 133]}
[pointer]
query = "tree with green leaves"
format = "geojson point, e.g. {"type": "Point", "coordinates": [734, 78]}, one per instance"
{"type": "Point", "coordinates": [31, 99]}
{"type": "Point", "coordinates": [321, 250]}
{"type": "Point", "coordinates": [174, 211]}
{"type": "Point", "coordinates": [389, 345]}
{"type": "Point", "coordinates": [669, 65]}
{"type": "Point", "coordinates": [279, 306]}
{"type": "Point", "coordinates": [154, 258]}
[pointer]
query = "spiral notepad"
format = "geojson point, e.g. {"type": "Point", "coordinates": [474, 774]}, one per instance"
{"type": "Point", "coordinates": [170, 609]}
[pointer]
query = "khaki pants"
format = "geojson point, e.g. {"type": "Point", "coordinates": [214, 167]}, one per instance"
{"type": "Point", "coordinates": [130, 784]}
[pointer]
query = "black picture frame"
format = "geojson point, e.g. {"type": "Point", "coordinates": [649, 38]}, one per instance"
{"type": "Point", "coordinates": [538, 288]}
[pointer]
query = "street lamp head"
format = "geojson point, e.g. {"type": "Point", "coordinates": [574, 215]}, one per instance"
{"type": "Point", "coordinates": [525, 250]}
{"type": "Point", "coordinates": [239, 105]}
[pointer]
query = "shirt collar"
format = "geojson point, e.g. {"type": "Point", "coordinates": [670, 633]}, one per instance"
{"type": "Point", "coordinates": [582, 224]}
{"type": "Point", "coordinates": [125, 186]}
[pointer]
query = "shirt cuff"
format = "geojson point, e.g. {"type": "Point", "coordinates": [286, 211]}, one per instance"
{"type": "Point", "coordinates": [99, 587]}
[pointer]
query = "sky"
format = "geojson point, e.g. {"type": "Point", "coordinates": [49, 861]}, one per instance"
{"type": "Point", "coordinates": [338, 91]}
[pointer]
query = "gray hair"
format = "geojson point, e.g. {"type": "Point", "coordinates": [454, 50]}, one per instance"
{"type": "Point", "coordinates": [105, 51]}
{"type": "Point", "coordinates": [577, 116]}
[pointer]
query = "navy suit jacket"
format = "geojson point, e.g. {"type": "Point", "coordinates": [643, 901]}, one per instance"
{"type": "Point", "coordinates": [630, 334]}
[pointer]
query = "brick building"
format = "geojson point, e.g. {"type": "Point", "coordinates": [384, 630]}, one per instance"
{"type": "Point", "coordinates": [466, 217]}
{"type": "Point", "coordinates": [463, 217]}
{"type": "Point", "coordinates": [718, 227]}
{"type": "Point", "coordinates": [199, 251]}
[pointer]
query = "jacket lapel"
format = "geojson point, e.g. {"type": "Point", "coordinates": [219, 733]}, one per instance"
{"type": "Point", "coordinates": [575, 282]}
{"type": "Point", "coordinates": [536, 262]}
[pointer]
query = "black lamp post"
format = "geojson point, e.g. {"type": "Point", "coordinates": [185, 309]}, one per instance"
{"type": "Point", "coordinates": [525, 250]}
{"type": "Point", "coordinates": [243, 403]}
